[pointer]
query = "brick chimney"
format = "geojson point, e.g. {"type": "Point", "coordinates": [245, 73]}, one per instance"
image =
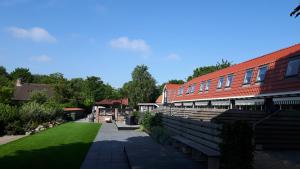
{"type": "Point", "coordinates": [19, 82]}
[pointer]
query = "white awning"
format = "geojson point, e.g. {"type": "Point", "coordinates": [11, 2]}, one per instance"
{"type": "Point", "coordinates": [177, 104]}
{"type": "Point", "coordinates": [249, 102]}
{"type": "Point", "coordinates": [287, 100]}
{"type": "Point", "coordinates": [188, 104]}
{"type": "Point", "coordinates": [220, 103]}
{"type": "Point", "coordinates": [202, 103]}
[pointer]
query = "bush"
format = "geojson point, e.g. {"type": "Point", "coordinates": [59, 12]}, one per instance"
{"type": "Point", "coordinates": [149, 120]}
{"type": "Point", "coordinates": [39, 96]}
{"type": "Point", "coordinates": [137, 117]}
{"type": "Point", "coordinates": [14, 128]}
{"type": "Point", "coordinates": [237, 147]}
{"type": "Point", "coordinates": [8, 114]}
{"type": "Point", "coordinates": [34, 113]}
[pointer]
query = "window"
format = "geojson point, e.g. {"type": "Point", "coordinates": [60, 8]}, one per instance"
{"type": "Point", "coordinates": [188, 90]}
{"type": "Point", "coordinates": [261, 74]}
{"type": "Point", "coordinates": [220, 82]}
{"type": "Point", "coordinates": [193, 88]}
{"type": "Point", "coordinates": [293, 67]}
{"type": "Point", "coordinates": [248, 76]}
{"type": "Point", "coordinates": [201, 87]}
{"type": "Point", "coordinates": [180, 91]}
{"type": "Point", "coordinates": [229, 80]}
{"type": "Point", "coordinates": [207, 85]}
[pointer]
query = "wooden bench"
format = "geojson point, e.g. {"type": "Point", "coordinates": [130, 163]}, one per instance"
{"type": "Point", "coordinates": [200, 136]}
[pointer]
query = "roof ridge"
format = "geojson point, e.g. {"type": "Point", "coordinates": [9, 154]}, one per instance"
{"type": "Point", "coordinates": [280, 50]}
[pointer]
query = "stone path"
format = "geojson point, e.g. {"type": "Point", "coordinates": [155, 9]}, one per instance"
{"type": "Point", "coordinates": [107, 152]}
{"type": "Point", "coordinates": [7, 139]}
{"type": "Point", "coordinates": [277, 159]}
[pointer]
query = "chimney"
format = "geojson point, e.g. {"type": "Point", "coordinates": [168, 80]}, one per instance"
{"type": "Point", "coordinates": [18, 82]}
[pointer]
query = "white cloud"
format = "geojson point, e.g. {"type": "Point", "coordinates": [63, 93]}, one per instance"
{"type": "Point", "coordinates": [36, 34]}
{"type": "Point", "coordinates": [174, 56]}
{"type": "Point", "coordinates": [134, 45]}
{"type": "Point", "coordinates": [41, 58]}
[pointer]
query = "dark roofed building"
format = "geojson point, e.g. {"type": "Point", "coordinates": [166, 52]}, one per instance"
{"type": "Point", "coordinates": [23, 91]}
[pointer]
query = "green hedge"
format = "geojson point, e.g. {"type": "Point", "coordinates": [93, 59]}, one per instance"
{"type": "Point", "coordinates": [9, 117]}
{"type": "Point", "coordinates": [17, 120]}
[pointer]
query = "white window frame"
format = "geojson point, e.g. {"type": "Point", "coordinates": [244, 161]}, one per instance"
{"type": "Point", "coordinates": [220, 85]}
{"type": "Point", "coordinates": [259, 72]}
{"type": "Point", "coordinates": [202, 84]}
{"type": "Point", "coordinates": [248, 82]}
{"type": "Point", "coordinates": [207, 86]}
{"type": "Point", "coordinates": [227, 84]}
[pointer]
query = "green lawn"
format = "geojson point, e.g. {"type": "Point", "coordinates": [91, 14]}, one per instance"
{"type": "Point", "coordinates": [64, 146]}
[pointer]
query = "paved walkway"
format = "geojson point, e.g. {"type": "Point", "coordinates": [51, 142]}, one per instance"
{"type": "Point", "coordinates": [277, 159]}
{"type": "Point", "coordinates": [107, 152]}
{"type": "Point", "coordinates": [7, 139]}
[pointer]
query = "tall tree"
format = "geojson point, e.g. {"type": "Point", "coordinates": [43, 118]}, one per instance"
{"type": "Point", "coordinates": [175, 81]}
{"type": "Point", "coordinates": [22, 73]}
{"type": "Point", "coordinates": [296, 11]}
{"type": "Point", "coordinates": [208, 69]}
{"type": "Point", "coordinates": [142, 86]}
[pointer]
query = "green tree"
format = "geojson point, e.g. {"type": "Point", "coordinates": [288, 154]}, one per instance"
{"type": "Point", "coordinates": [208, 69]}
{"type": "Point", "coordinates": [175, 81]}
{"type": "Point", "coordinates": [6, 93]}
{"type": "Point", "coordinates": [142, 87]}
{"type": "Point", "coordinates": [296, 11]}
{"type": "Point", "coordinates": [22, 73]}
{"type": "Point", "coordinates": [39, 96]}
{"type": "Point", "coordinates": [3, 71]}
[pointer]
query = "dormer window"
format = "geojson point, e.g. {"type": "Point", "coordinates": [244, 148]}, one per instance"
{"type": "Point", "coordinates": [193, 88]}
{"type": "Point", "coordinates": [201, 87]}
{"type": "Point", "coordinates": [293, 67]}
{"type": "Point", "coordinates": [220, 82]}
{"type": "Point", "coordinates": [248, 76]}
{"type": "Point", "coordinates": [229, 80]}
{"type": "Point", "coordinates": [261, 74]}
{"type": "Point", "coordinates": [207, 85]}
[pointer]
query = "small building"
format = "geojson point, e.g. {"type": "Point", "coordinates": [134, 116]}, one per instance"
{"type": "Point", "coordinates": [113, 103]}
{"type": "Point", "coordinates": [146, 107]}
{"type": "Point", "coordinates": [23, 90]}
{"type": "Point", "coordinates": [73, 113]}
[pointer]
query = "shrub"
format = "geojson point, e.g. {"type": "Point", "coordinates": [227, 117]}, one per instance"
{"type": "Point", "coordinates": [14, 128]}
{"type": "Point", "coordinates": [33, 111]}
{"type": "Point", "coordinates": [137, 117]}
{"type": "Point", "coordinates": [149, 120]}
{"type": "Point", "coordinates": [8, 114]}
{"type": "Point", "coordinates": [237, 147]}
{"type": "Point", "coordinates": [38, 96]}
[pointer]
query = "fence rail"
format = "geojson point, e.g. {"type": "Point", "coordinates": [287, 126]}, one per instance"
{"type": "Point", "coordinates": [204, 133]}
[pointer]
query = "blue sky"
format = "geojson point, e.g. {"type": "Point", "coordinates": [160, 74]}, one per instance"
{"type": "Point", "coordinates": [109, 38]}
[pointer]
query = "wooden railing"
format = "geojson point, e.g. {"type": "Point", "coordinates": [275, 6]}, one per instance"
{"type": "Point", "coordinates": [206, 134]}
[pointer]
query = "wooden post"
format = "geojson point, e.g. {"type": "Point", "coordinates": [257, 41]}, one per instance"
{"type": "Point", "coordinates": [116, 114]}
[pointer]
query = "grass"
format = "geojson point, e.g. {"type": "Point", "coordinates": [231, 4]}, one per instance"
{"type": "Point", "coordinates": [64, 146]}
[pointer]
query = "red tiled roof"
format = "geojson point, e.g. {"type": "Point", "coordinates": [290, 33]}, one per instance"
{"type": "Point", "coordinates": [275, 80]}
{"type": "Point", "coordinates": [159, 100]}
{"type": "Point", "coordinates": [73, 109]}
{"type": "Point", "coordinates": [123, 101]}
{"type": "Point", "coordinates": [172, 91]}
